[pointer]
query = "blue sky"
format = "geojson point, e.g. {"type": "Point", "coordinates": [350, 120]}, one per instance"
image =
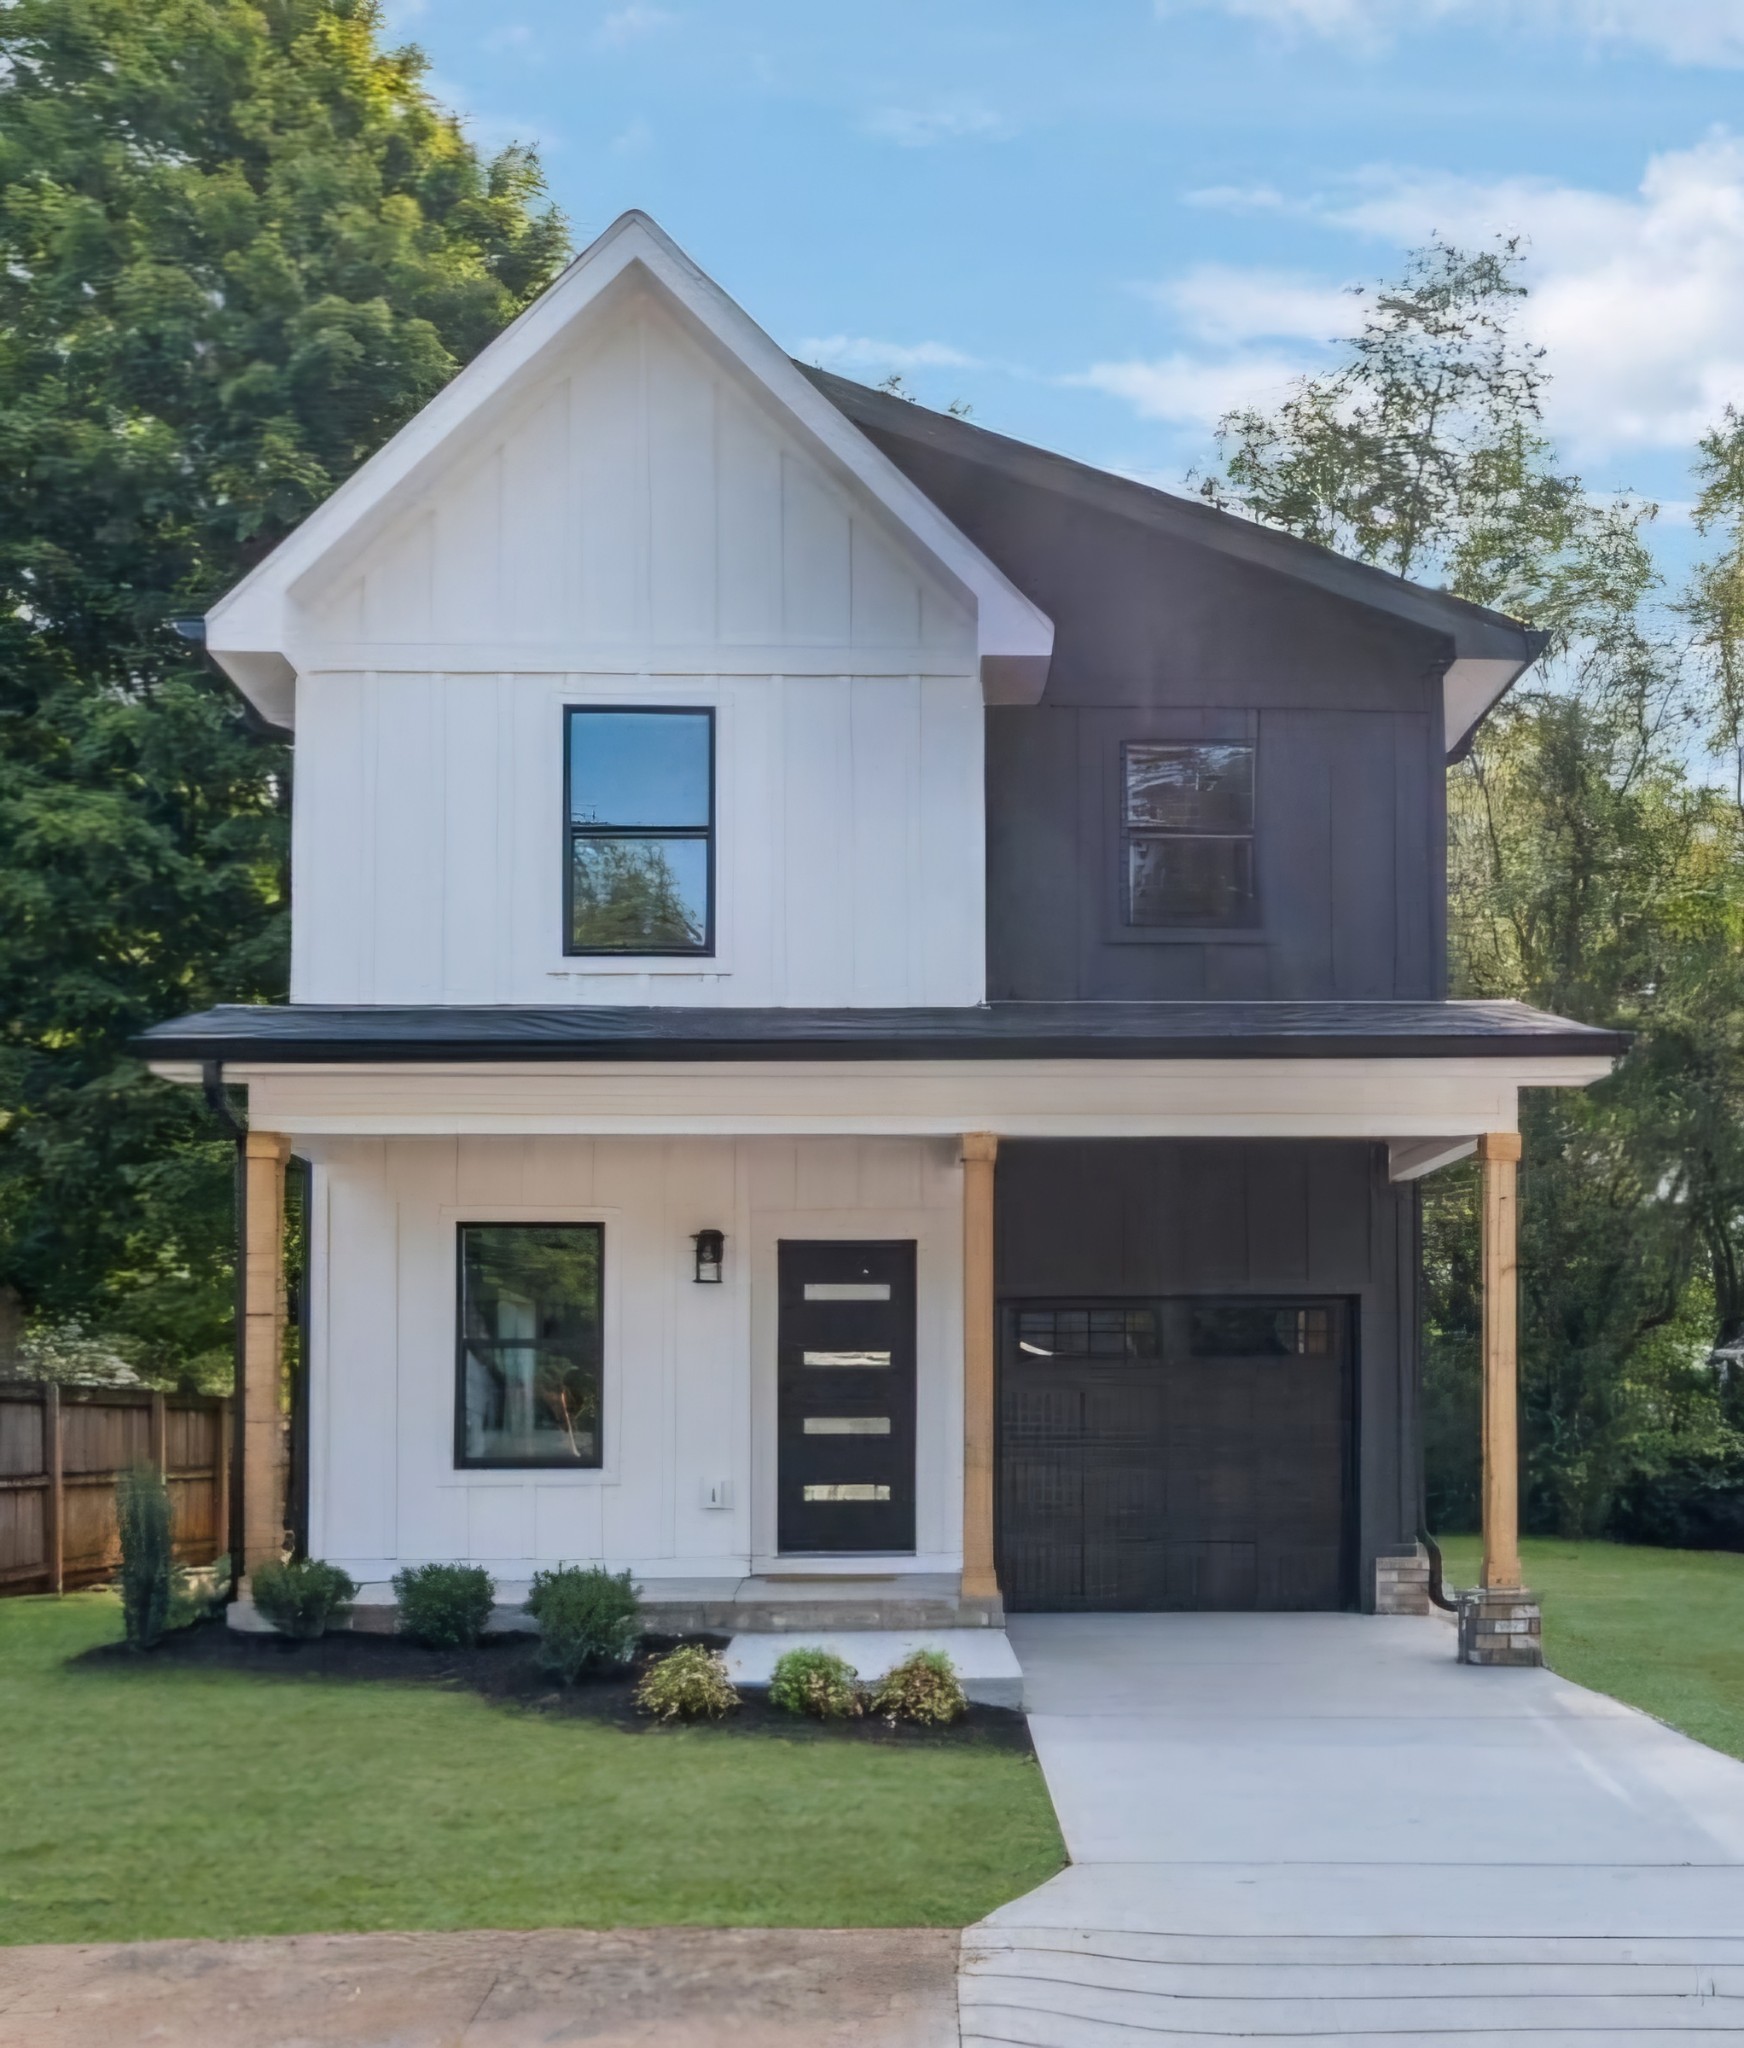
{"type": "Point", "coordinates": [1101, 223]}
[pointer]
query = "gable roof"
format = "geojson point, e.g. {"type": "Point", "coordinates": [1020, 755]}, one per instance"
{"type": "Point", "coordinates": [248, 631]}
{"type": "Point", "coordinates": [1488, 651]}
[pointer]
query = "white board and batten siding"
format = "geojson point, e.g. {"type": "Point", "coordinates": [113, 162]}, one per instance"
{"type": "Point", "coordinates": [689, 1370]}
{"type": "Point", "coordinates": [638, 526]}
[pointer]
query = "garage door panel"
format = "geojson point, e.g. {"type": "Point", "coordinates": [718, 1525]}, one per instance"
{"type": "Point", "coordinates": [1051, 1574]}
{"type": "Point", "coordinates": [1175, 1454]}
{"type": "Point", "coordinates": [1293, 1579]}
{"type": "Point", "coordinates": [1125, 1578]}
{"type": "Point", "coordinates": [1211, 1575]}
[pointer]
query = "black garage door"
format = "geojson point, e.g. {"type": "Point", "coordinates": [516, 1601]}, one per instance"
{"type": "Point", "coordinates": [1187, 1453]}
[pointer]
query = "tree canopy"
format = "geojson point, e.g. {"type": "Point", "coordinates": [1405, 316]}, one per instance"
{"type": "Point", "coordinates": [240, 244]}
{"type": "Point", "coordinates": [1596, 868]}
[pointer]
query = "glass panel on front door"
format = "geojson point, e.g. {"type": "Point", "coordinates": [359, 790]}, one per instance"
{"type": "Point", "coordinates": [845, 1398]}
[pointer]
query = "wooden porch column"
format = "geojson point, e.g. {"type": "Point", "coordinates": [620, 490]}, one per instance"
{"type": "Point", "coordinates": [263, 1334]}
{"type": "Point", "coordinates": [980, 1580]}
{"type": "Point", "coordinates": [1499, 1153]}
{"type": "Point", "coordinates": [1499, 1622]}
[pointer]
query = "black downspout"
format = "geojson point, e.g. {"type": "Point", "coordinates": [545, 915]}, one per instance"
{"type": "Point", "coordinates": [1437, 1584]}
{"type": "Point", "coordinates": [218, 1102]}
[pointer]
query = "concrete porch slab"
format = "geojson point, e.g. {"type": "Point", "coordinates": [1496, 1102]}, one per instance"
{"type": "Point", "coordinates": [983, 1657]}
{"type": "Point", "coordinates": [732, 1605]}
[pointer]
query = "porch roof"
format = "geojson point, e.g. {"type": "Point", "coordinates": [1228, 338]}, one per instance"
{"type": "Point", "coordinates": [306, 1033]}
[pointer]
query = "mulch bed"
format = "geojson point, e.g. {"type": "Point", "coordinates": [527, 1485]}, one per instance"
{"type": "Point", "coordinates": [504, 1669]}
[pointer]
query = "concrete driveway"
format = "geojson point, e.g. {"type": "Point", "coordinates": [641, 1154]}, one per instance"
{"type": "Point", "coordinates": [1321, 1826]}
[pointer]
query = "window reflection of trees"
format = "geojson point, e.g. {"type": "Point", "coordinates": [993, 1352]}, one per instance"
{"type": "Point", "coordinates": [531, 1343]}
{"type": "Point", "coordinates": [628, 894]}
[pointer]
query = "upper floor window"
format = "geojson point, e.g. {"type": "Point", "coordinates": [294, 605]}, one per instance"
{"type": "Point", "coordinates": [1187, 830]}
{"type": "Point", "coordinates": [641, 824]}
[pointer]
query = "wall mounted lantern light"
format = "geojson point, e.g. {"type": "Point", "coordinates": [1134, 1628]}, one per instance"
{"type": "Point", "coordinates": [711, 1254]}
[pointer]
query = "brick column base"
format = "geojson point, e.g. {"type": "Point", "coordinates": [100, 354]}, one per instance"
{"type": "Point", "coordinates": [1500, 1627]}
{"type": "Point", "coordinates": [1402, 1582]}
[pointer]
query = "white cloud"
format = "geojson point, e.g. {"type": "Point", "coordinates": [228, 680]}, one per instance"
{"type": "Point", "coordinates": [636, 139]}
{"type": "Point", "coordinates": [1637, 297]}
{"type": "Point", "coordinates": [1686, 31]}
{"type": "Point", "coordinates": [1223, 304]}
{"type": "Point", "coordinates": [1235, 320]}
{"type": "Point", "coordinates": [492, 131]}
{"type": "Point", "coordinates": [850, 352]}
{"type": "Point", "coordinates": [629, 24]}
{"type": "Point", "coordinates": [1243, 199]}
{"type": "Point", "coordinates": [960, 119]}
{"type": "Point", "coordinates": [1193, 391]}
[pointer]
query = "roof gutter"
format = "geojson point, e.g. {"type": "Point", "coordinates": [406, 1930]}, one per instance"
{"type": "Point", "coordinates": [191, 627]}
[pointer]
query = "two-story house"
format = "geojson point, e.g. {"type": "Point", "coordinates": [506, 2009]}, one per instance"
{"type": "Point", "coordinates": [868, 1003]}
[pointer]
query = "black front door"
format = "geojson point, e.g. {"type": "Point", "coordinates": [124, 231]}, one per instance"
{"type": "Point", "coordinates": [1186, 1453]}
{"type": "Point", "coordinates": [845, 1397]}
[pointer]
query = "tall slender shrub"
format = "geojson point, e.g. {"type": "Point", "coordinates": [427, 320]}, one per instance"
{"type": "Point", "coordinates": [142, 1505]}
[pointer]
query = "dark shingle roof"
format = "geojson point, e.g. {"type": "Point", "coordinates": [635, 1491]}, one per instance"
{"type": "Point", "coordinates": [1475, 630]}
{"type": "Point", "coordinates": [317, 1032]}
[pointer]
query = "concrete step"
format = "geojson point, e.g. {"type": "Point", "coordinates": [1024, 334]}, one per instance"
{"type": "Point", "coordinates": [1083, 1988]}
{"type": "Point", "coordinates": [983, 1658]}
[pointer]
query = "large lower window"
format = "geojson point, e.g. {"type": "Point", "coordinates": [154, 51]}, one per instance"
{"type": "Point", "coordinates": [530, 1346]}
{"type": "Point", "coordinates": [1187, 825]}
{"type": "Point", "coordinates": [640, 817]}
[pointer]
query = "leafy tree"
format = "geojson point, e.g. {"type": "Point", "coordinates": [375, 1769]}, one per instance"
{"type": "Point", "coordinates": [239, 245]}
{"type": "Point", "coordinates": [1422, 451]}
{"type": "Point", "coordinates": [625, 892]}
{"type": "Point", "coordinates": [1588, 872]}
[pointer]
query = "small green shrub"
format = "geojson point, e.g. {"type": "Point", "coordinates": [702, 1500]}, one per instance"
{"type": "Point", "coordinates": [444, 1606]}
{"type": "Point", "coordinates": [142, 1512]}
{"type": "Point", "coordinates": [198, 1592]}
{"type": "Point", "coordinates": [816, 1682]}
{"type": "Point", "coordinates": [585, 1616]}
{"type": "Point", "coordinates": [922, 1688]}
{"type": "Point", "coordinates": [304, 1597]}
{"type": "Point", "coordinates": [687, 1684]}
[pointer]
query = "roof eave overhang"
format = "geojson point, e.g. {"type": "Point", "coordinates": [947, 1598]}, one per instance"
{"type": "Point", "coordinates": [250, 631]}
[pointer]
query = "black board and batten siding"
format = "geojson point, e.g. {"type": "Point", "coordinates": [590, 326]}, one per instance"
{"type": "Point", "coordinates": [1143, 1220]}
{"type": "Point", "coordinates": [1162, 639]}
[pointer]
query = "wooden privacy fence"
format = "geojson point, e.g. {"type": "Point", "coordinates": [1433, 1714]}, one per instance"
{"type": "Point", "coordinates": [61, 1452]}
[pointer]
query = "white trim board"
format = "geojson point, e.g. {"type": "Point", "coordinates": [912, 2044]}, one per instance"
{"type": "Point", "coordinates": [1392, 1099]}
{"type": "Point", "coordinates": [250, 631]}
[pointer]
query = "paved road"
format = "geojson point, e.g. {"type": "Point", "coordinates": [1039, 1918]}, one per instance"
{"type": "Point", "coordinates": [1321, 1827]}
{"type": "Point", "coordinates": [684, 1987]}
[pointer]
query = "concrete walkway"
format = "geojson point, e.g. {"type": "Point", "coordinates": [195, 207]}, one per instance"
{"type": "Point", "coordinates": [1321, 1827]}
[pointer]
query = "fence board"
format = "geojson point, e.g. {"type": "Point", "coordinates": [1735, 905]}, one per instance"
{"type": "Point", "coordinates": [99, 1433]}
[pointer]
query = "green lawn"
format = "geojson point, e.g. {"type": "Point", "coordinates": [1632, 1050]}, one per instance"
{"type": "Point", "coordinates": [1662, 1629]}
{"type": "Point", "coordinates": [141, 1802]}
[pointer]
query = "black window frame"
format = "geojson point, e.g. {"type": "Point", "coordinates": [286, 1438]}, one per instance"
{"type": "Point", "coordinates": [572, 832]}
{"type": "Point", "coordinates": [1247, 918]}
{"type": "Point", "coordinates": [463, 1462]}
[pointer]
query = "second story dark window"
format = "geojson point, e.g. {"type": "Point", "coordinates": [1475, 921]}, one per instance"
{"type": "Point", "coordinates": [1187, 832]}
{"type": "Point", "coordinates": [640, 817]}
